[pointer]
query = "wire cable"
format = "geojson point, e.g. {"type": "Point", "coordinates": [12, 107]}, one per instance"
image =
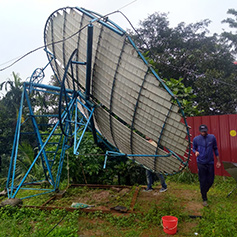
{"type": "Point", "coordinates": [56, 224]}
{"type": "Point", "coordinates": [30, 52]}
{"type": "Point", "coordinates": [127, 5]}
{"type": "Point", "coordinates": [10, 60]}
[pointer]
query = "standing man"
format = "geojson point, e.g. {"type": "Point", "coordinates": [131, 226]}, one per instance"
{"type": "Point", "coordinates": [149, 174]}
{"type": "Point", "coordinates": [150, 182]}
{"type": "Point", "coordinates": [203, 146]}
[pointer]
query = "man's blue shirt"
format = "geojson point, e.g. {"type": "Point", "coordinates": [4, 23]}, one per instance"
{"type": "Point", "coordinates": [205, 145]}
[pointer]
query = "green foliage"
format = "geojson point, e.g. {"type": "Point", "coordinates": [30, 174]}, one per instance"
{"type": "Point", "coordinates": [122, 221]}
{"type": "Point", "coordinates": [230, 37]}
{"type": "Point", "coordinates": [30, 222]}
{"type": "Point", "coordinates": [9, 105]}
{"type": "Point", "coordinates": [26, 157]}
{"type": "Point", "coordinates": [216, 96]}
{"type": "Point", "coordinates": [218, 222]}
{"type": "Point", "coordinates": [185, 95]}
{"type": "Point", "coordinates": [87, 167]}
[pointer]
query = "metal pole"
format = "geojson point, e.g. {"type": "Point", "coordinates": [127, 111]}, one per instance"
{"type": "Point", "coordinates": [88, 75]}
{"type": "Point", "coordinates": [89, 60]}
{"type": "Point", "coordinates": [15, 144]}
{"type": "Point", "coordinates": [60, 165]}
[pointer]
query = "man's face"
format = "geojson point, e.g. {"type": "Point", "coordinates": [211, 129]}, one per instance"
{"type": "Point", "coordinates": [203, 134]}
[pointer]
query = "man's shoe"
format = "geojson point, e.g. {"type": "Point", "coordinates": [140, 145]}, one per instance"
{"type": "Point", "coordinates": [205, 204]}
{"type": "Point", "coordinates": [148, 190]}
{"type": "Point", "coordinates": [163, 190]}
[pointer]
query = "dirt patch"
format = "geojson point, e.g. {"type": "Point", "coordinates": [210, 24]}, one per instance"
{"type": "Point", "coordinates": [187, 194]}
{"type": "Point", "coordinates": [101, 196]}
{"type": "Point", "coordinates": [98, 198]}
{"type": "Point", "coordinates": [124, 191]}
{"type": "Point", "coordinates": [153, 232]}
{"type": "Point", "coordinates": [190, 199]}
{"type": "Point", "coordinates": [116, 189]}
{"type": "Point", "coordinates": [193, 208]}
{"type": "Point", "coordinates": [101, 199]}
{"type": "Point", "coordinates": [153, 196]}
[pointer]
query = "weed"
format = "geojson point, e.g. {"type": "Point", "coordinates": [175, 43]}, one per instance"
{"type": "Point", "coordinates": [219, 222]}
{"type": "Point", "coordinates": [184, 177]}
{"type": "Point", "coordinates": [121, 221]}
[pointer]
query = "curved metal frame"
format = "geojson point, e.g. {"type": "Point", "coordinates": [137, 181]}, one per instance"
{"type": "Point", "coordinates": [71, 120]}
{"type": "Point", "coordinates": [69, 99]}
{"type": "Point", "coordinates": [95, 17]}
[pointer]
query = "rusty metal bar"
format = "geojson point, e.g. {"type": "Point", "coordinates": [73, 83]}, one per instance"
{"type": "Point", "coordinates": [52, 198]}
{"type": "Point", "coordinates": [71, 209]}
{"type": "Point", "coordinates": [134, 199]}
{"type": "Point", "coordinates": [99, 186]}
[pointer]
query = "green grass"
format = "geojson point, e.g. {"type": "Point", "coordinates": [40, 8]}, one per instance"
{"type": "Point", "coordinates": [219, 219]}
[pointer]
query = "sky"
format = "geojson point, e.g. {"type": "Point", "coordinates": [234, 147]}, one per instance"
{"type": "Point", "coordinates": [22, 23]}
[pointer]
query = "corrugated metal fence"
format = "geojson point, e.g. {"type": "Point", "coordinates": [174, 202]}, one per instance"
{"type": "Point", "coordinates": [224, 127]}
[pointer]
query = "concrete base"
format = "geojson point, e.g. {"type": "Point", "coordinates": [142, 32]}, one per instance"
{"type": "Point", "coordinates": [12, 202]}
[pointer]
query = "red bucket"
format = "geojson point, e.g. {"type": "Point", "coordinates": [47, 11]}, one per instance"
{"type": "Point", "coordinates": [170, 224]}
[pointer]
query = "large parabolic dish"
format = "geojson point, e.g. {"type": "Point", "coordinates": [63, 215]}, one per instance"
{"type": "Point", "coordinates": [133, 102]}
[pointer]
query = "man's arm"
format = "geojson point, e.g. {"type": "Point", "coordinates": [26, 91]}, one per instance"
{"type": "Point", "coordinates": [195, 146]}
{"type": "Point", "coordinates": [218, 163]}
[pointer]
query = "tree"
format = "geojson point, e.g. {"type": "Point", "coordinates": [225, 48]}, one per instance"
{"type": "Point", "coordinates": [217, 96]}
{"type": "Point", "coordinates": [185, 96]}
{"type": "Point", "coordinates": [188, 52]}
{"type": "Point", "coordinates": [9, 107]}
{"type": "Point", "coordinates": [229, 37]}
{"type": "Point", "coordinates": [13, 84]}
{"type": "Point", "coordinates": [12, 99]}
{"type": "Point", "coordinates": [6, 138]}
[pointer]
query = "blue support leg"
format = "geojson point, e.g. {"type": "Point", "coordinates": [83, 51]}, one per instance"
{"type": "Point", "coordinates": [15, 145]}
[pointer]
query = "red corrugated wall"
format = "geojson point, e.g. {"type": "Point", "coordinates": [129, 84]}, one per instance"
{"type": "Point", "coordinates": [224, 127]}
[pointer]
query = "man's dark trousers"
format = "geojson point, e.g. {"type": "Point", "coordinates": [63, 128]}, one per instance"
{"type": "Point", "coordinates": [206, 176]}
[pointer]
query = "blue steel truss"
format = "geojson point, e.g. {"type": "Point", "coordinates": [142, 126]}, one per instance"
{"type": "Point", "coordinates": [71, 121]}
{"type": "Point", "coordinates": [44, 140]}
